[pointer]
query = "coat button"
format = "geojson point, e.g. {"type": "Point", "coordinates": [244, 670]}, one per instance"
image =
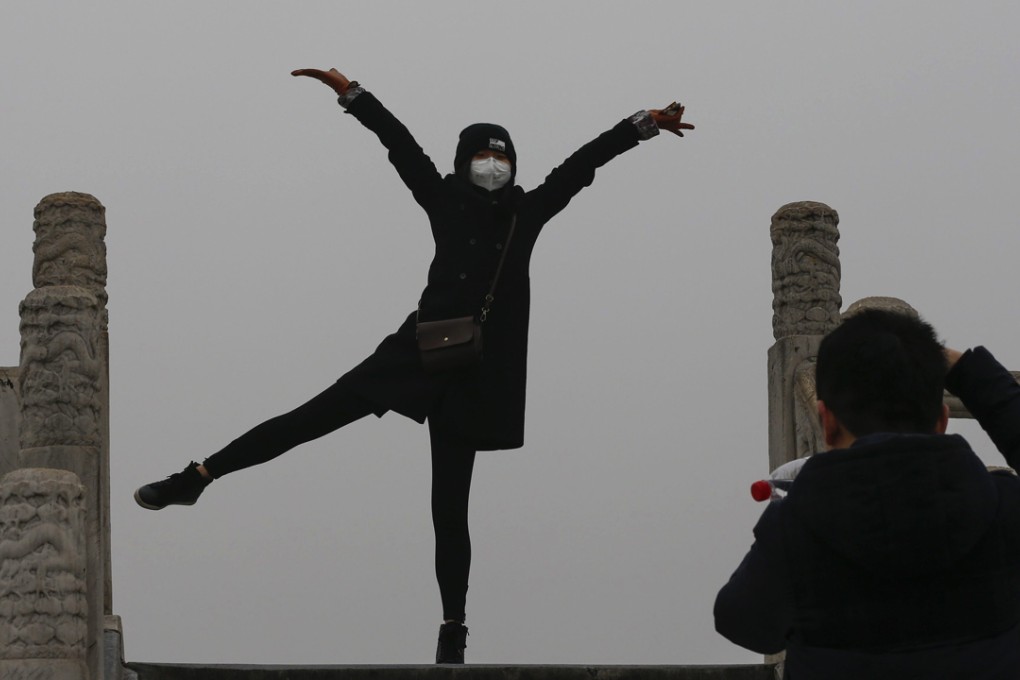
{"type": "Point", "coordinates": [499, 246]}
{"type": "Point", "coordinates": [463, 276]}
{"type": "Point", "coordinates": [473, 241]}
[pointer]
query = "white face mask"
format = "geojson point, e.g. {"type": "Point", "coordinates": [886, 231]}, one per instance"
{"type": "Point", "coordinates": [490, 173]}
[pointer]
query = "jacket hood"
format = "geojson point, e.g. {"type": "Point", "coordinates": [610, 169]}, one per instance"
{"type": "Point", "coordinates": [908, 504]}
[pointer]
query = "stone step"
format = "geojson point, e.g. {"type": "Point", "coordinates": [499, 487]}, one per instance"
{"type": "Point", "coordinates": [156, 671]}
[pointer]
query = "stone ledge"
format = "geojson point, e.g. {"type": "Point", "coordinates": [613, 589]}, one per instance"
{"type": "Point", "coordinates": [155, 671]}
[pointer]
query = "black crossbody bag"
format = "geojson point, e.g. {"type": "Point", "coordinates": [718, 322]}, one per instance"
{"type": "Point", "coordinates": [450, 344]}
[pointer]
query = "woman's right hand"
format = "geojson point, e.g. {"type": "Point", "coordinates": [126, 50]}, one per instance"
{"type": "Point", "coordinates": [332, 77]}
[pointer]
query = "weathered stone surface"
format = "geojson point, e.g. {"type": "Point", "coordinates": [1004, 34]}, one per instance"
{"type": "Point", "coordinates": [63, 383]}
{"type": "Point", "coordinates": [70, 250]}
{"type": "Point", "coordinates": [10, 418]}
{"type": "Point", "coordinates": [885, 304]}
{"type": "Point", "coordinates": [805, 306]}
{"type": "Point", "coordinates": [466, 672]}
{"type": "Point", "coordinates": [84, 462]}
{"type": "Point", "coordinates": [41, 669]}
{"type": "Point", "coordinates": [793, 411]}
{"type": "Point", "coordinates": [60, 379]}
{"type": "Point", "coordinates": [805, 269]}
{"type": "Point", "coordinates": [808, 435]}
{"type": "Point", "coordinates": [43, 603]}
{"type": "Point", "coordinates": [113, 644]}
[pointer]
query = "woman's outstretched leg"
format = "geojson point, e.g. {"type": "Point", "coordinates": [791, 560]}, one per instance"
{"type": "Point", "coordinates": [452, 465]}
{"type": "Point", "coordinates": [328, 411]}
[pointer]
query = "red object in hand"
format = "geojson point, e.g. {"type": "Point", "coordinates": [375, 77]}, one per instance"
{"type": "Point", "coordinates": [761, 490]}
{"type": "Point", "coordinates": [778, 482]}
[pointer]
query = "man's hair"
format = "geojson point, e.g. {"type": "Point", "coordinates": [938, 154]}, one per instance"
{"type": "Point", "coordinates": [881, 371]}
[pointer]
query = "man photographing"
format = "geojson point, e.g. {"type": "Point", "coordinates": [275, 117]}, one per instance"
{"type": "Point", "coordinates": [896, 553]}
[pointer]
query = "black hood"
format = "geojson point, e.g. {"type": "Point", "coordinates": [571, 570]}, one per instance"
{"type": "Point", "coordinates": [907, 504]}
{"type": "Point", "coordinates": [480, 137]}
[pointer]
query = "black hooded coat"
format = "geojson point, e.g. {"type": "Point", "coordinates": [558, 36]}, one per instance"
{"type": "Point", "coordinates": [898, 557]}
{"type": "Point", "coordinates": [483, 406]}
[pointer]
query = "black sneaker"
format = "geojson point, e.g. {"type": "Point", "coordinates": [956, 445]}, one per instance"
{"type": "Point", "coordinates": [180, 488]}
{"type": "Point", "coordinates": [452, 641]}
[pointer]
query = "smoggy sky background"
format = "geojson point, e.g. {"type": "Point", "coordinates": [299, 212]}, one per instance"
{"type": "Point", "coordinates": [248, 219]}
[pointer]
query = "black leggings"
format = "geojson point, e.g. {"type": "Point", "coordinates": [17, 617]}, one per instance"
{"type": "Point", "coordinates": [452, 464]}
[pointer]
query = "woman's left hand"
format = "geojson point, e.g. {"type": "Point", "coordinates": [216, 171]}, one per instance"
{"type": "Point", "coordinates": [336, 80]}
{"type": "Point", "coordinates": [669, 119]}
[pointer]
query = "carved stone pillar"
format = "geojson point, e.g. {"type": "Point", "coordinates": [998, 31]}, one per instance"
{"type": "Point", "coordinates": [63, 379]}
{"type": "Point", "coordinates": [61, 370]}
{"type": "Point", "coordinates": [806, 303]}
{"type": "Point", "coordinates": [43, 603]}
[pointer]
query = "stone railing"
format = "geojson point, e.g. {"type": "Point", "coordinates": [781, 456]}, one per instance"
{"type": "Point", "coordinates": [55, 585]}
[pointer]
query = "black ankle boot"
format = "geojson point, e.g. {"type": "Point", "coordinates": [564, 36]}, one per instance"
{"type": "Point", "coordinates": [180, 488]}
{"type": "Point", "coordinates": [452, 641]}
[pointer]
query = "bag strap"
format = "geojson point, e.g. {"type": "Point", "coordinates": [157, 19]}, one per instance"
{"type": "Point", "coordinates": [487, 304]}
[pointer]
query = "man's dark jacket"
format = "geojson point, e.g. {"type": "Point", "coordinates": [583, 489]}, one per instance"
{"type": "Point", "coordinates": [485, 407]}
{"type": "Point", "coordinates": [896, 558]}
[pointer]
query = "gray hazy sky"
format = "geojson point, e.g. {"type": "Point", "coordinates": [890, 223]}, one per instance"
{"type": "Point", "coordinates": [247, 216]}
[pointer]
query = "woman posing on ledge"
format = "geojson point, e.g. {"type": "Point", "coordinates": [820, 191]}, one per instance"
{"type": "Point", "coordinates": [484, 227]}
